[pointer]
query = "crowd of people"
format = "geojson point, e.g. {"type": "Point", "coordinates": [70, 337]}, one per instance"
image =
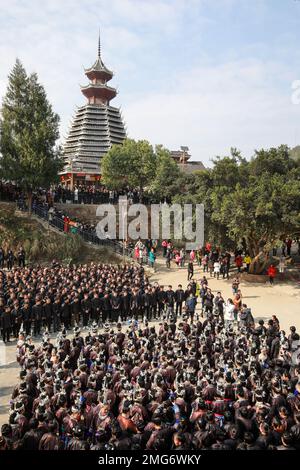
{"type": "Point", "coordinates": [218, 262]}
{"type": "Point", "coordinates": [47, 297]}
{"type": "Point", "coordinates": [91, 194]}
{"type": "Point", "coordinates": [35, 299]}
{"type": "Point", "coordinates": [211, 259]}
{"type": "Point", "coordinates": [78, 194]}
{"type": "Point", "coordinates": [206, 377]}
{"type": "Point", "coordinates": [134, 365]}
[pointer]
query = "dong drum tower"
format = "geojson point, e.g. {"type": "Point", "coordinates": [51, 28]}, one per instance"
{"type": "Point", "coordinates": [95, 128]}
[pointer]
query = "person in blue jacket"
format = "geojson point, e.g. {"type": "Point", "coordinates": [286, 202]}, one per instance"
{"type": "Point", "coordinates": [190, 304]}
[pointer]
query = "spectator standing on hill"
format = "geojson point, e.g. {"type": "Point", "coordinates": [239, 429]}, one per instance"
{"type": "Point", "coordinates": [2, 257]}
{"type": "Point", "coordinates": [10, 258]}
{"type": "Point", "coordinates": [21, 257]}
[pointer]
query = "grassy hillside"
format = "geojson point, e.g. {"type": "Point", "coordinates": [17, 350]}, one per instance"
{"type": "Point", "coordinates": [42, 245]}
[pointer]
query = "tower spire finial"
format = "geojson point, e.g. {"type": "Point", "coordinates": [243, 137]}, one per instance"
{"type": "Point", "coordinates": [99, 45]}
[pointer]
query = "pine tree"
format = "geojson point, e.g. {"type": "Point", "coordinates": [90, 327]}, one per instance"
{"type": "Point", "coordinates": [29, 131]}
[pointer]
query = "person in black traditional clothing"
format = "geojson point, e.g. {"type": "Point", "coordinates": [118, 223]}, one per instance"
{"type": "Point", "coordinates": [116, 303]}
{"type": "Point", "coordinates": [86, 307]}
{"type": "Point", "coordinates": [6, 324]}
{"type": "Point", "coordinates": [10, 258]}
{"type": "Point", "coordinates": [37, 316]}
{"type": "Point", "coordinates": [180, 298]}
{"type": "Point", "coordinates": [21, 257]}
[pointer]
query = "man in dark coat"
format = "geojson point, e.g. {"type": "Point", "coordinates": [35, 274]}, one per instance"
{"type": "Point", "coordinates": [115, 306]}
{"type": "Point", "coordinates": [21, 257]}
{"type": "Point", "coordinates": [26, 317]}
{"type": "Point", "coordinates": [56, 313]}
{"type": "Point", "coordinates": [190, 270]}
{"type": "Point", "coordinates": [6, 324]}
{"type": "Point", "coordinates": [16, 318]}
{"type": "Point", "coordinates": [96, 307]}
{"type": "Point", "coordinates": [37, 315]}
{"type": "Point", "coordinates": [170, 300]}
{"type": "Point", "coordinates": [134, 304]}
{"type": "Point", "coordinates": [86, 307]}
{"type": "Point", "coordinates": [153, 302]}
{"type": "Point", "coordinates": [48, 313]}
{"type": "Point", "coordinates": [161, 298]}
{"type": "Point", "coordinates": [275, 347]}
{"type": "Point", "coordinates": [65, 312]}
{"type": "Point", "coordinates": [125, 306]}
{"type": "Point", "coordinates": [76, 308]}
{"type": "Point", "coordinates": [106, 307]}
{"type": "Point", "coordinates": [147, 304]}
{"type": "Point", "coordinates": [180, 298]}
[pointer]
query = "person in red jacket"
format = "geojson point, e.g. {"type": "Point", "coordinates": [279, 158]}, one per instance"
{"type": "Point", "coordinates": [271, 273]}
{"type": "Point", "coordinates": [66, 223]}
{"type": "Point", "coordinates": [208, 246]}
{"type": "Point", "coordinates": [239, 262]}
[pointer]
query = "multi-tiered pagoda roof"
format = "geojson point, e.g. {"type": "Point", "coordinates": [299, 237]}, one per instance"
{"type": "Point", "coordinates": [96, 126]}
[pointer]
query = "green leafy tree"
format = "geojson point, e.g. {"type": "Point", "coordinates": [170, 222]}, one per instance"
{"type": "Point", "coordinates": [272, 161]}
{"type": "Point", "coordinates": [131, 164]}
{"type": "Point", "coordinates": [167, 175]}
{"type": "Point", "coordinates": [249, 204]}
{"type": "Point", "coordinates": [29, 131]}
{"type": "Point", "coordinates": [115, 167]}
{"type": "Point", "coordinates": [265, 207]}
{"type": "Point", "coordinates": [295, 153]}
{"type": "Point", "coordinates": [210, 187]}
